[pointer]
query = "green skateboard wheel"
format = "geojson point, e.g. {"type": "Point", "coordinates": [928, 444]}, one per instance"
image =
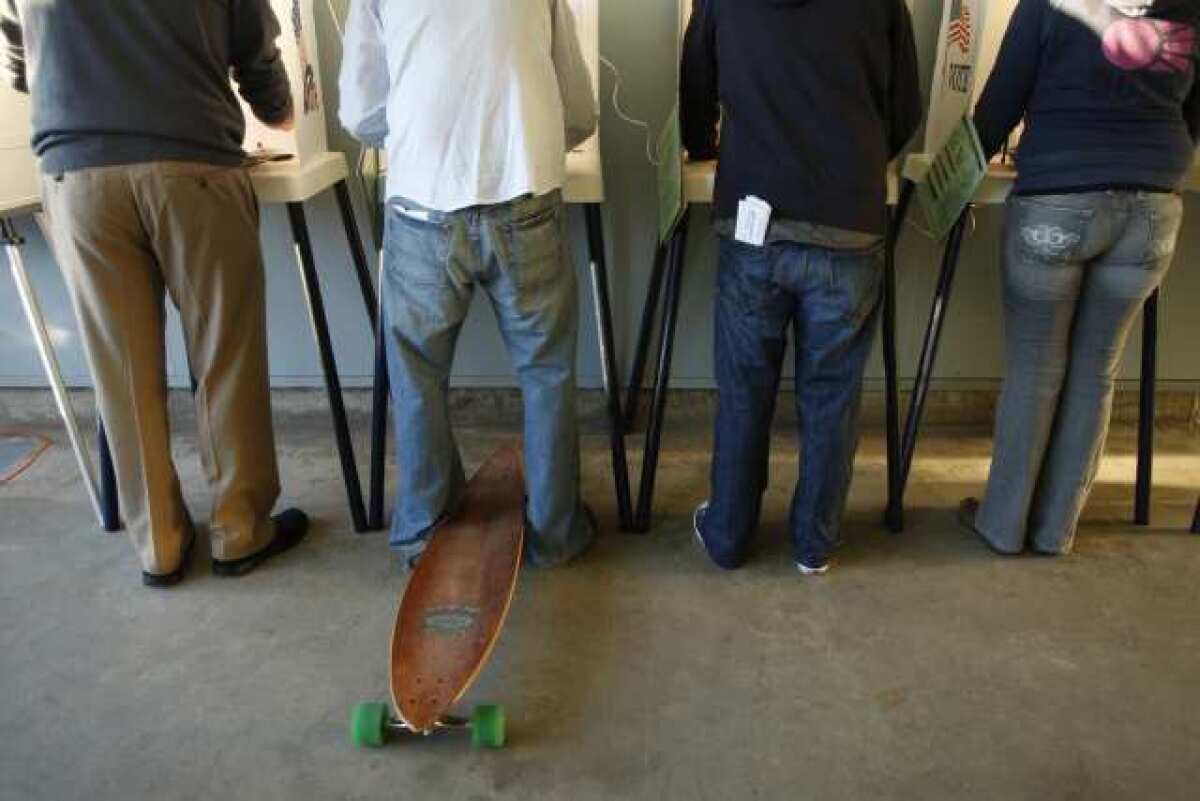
{"type": "Point", "coordinates": [366, 725]}
{"type": "Point", "coordinates": [487, 726]}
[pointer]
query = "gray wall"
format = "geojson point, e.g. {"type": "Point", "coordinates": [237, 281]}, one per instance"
{"type": "Point", "coordinates": [638, 36]}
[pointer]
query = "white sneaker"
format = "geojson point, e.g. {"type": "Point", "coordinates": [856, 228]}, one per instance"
{"type": "Point", "coordinates": [697, 519]}
{"type": "Point", "coordinates": [805, 570]}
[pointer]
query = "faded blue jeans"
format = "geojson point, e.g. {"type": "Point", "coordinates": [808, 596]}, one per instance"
{"type": "Point", "coordinates": [1077, 270]}
{"type": "Point", "coordinates": [516, 253]}
{"type": "Point", "coordinates": [830, 298]}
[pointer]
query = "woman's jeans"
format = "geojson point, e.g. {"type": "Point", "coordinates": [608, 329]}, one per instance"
{"type": "Point", "coordinates": [1077, 270]}
{"type": "Point", "coordinates": [830, 298]}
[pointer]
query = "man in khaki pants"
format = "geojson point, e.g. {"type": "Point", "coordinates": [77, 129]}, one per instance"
{"type": "Point", "coordinates": [139, 138]}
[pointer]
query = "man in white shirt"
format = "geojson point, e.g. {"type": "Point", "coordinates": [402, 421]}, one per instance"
{"type": "Point", "coordinates": [477, 103]}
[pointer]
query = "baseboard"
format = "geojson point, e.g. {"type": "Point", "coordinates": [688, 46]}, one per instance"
{"type": "Point", "coordinates": [502, 406]}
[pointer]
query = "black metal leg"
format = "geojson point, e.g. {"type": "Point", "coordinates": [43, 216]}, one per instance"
{"type": "Point", "coordinates": [333, 385]}
{"type": "Point", "coordinates": [1196, 520]}
{"type": "Point", "coordinates": [633, 398]}
{"type": "Point", "coordinates": [379, 391]}
{"type": "Point", "coordinates": [894, 516]}
{"type": "Point", "coordinates": [929, 351]}
{"type": "Point", "coordinates": [379, 423]}
{"type": "Point", "coordinates": [361, 268]}
{"type": "Point", "coordinates": [1145, 465]}
{"type": "Point", "coordinates": [608, 361]}
{"type": "Point", "coordinates": [676, 258]}
{"type": "Point", "coordinates": [110, 505]}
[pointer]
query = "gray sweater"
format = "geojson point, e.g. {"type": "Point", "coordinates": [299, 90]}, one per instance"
{"type": "Point", "coordinates": [133, 81]}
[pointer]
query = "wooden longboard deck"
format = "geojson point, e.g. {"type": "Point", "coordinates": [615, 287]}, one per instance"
{"type": "Point", "coordinates": [459, 594]}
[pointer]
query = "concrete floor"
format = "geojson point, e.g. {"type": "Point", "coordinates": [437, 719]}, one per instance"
{"type": "Point", "coordinates": [921, 668]}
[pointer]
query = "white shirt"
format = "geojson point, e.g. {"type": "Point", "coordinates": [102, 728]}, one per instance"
{"type": "Point", "coordinates": [476, 101]}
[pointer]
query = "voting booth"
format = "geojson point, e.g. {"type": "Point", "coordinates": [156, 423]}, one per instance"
{"type": "Point", "coordinates": [18, 168]}
{"type": "Point", "coordinates": [20, 195]}
{"type": "Point", "coordinates": [298, 48]}
{"type": "Point", "coordinates": [969, 39]}
{"type": "Point", "coordinates": [304, 168]}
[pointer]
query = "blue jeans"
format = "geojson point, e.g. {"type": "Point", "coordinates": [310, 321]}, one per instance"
{"type": "Point", "coordinates": [1077, 270]}
{"type": "Point", "coordinates": [516, 253]}
{"type": "Point", "coordinates": [831, 300]}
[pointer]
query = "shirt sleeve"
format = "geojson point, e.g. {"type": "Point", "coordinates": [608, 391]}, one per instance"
{"type": "Point", "coordinates": [363, 82]}
{"type": "Point", "coordinates": [257, 64]}
{"type": "Point", "coordinates": [14, 45]}
{"type": "Point", "coordinates": [1011, 83]}
{"type": "Point", "coordinates": [699, 95]}
{"type": "Point", "coordinates": [580, 112]}
{"type": "Point", "coordinates": [904, 100]}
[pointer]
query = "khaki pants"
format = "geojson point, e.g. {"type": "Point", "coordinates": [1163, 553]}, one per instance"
{"type": "Point", "coordinates": [126, 236]}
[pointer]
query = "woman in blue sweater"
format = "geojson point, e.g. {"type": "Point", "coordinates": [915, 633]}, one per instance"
{"type": "Point", "coordinates": [1109, 95]}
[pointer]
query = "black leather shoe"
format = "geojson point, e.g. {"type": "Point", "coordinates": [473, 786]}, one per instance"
{"type": "Point", "coordinates": [290, 527]}
{"type": "Point", "coordinates": [160, 581]}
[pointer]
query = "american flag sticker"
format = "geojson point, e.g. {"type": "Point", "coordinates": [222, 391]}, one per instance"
{"type": "Point", "coordinates": [960, 25]}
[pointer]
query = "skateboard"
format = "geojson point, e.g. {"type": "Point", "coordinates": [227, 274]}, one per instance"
{"type": "Point", "coordinates": [452, 613]}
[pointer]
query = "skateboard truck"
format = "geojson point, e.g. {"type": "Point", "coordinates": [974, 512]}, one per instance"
{"type": "Point", "coordinates": [371, 723]}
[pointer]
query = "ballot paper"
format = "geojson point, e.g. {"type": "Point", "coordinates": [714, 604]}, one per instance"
{"type": "Point", "coordinates": [953, 178]}
{"type": "Point", "coordinates": [753, 220]}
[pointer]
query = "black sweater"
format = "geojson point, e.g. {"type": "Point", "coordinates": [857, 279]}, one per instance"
{"type": "Point", "coordinates": [1108, 91]}
{"type": "Point", "coordinates": [817, 97]}
{"type": "Point", "coordinates": [131, 81]}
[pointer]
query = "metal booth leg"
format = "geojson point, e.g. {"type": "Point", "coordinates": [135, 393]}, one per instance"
{"type": "Point", "coordinates": [320, 325]}
{"type": "Point", "coordinates": [1145, 463]}
{"type": "Point", "coordinates": [929, 351]}
{"type": "Point", "coordinates": [380, 395]}
{"type": "Point", "coordinates": [676, 259]}
{"type": "Point", "coordinates": [633, 397]}
{"type": "Point", "coordinates": [379, 390]}
{"type": "Point", "coordinates": [601, 301]}
{"type": "Point", "coordinates": [37, 324]}
{"type": "Point", "coordinates": [362, 269]}
{"type": "Point", "coordinates": [894, 515]}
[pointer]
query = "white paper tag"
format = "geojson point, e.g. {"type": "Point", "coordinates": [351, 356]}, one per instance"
{"type": "Point", "coordinates": [413, 214]}
{"type": "Point", "coordinates": [753, 220]}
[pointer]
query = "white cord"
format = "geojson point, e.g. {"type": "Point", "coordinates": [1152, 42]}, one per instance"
{"type": "Point", "coordinates": [333, 15]}
{"type": "Point", "coordinates": [920, 229]}
{"type": "Point", "coordinates": [625, 117]}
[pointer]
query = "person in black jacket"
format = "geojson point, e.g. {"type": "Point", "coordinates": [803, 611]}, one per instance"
{"type": "Point", "coordinates": [1109, 94]}
{"type": "Point", "coordinates": [805, 102]}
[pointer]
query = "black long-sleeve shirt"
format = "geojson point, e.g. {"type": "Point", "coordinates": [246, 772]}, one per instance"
{"type": "Point", "coordinates": [130, 81]}
{"type": "Point", "coordinates": [813, 99]}
{"type": "Point", "coordinates": [1108, 91]}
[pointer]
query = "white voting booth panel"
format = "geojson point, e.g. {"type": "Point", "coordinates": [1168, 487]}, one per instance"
{"type": "Point", "coordinates": [298, 46]}
{"type": "Point", "coordinates": [585, 176]}
{"type": "Point", "coordinates": [968, 42]}
{"type": "Point", "coordinates": [18, 168]}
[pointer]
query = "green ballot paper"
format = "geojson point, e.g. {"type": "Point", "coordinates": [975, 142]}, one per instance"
{"type": "Point", "coordinates": [953, 178]}
{"type": "Point", "coordinates": [670, 177]}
